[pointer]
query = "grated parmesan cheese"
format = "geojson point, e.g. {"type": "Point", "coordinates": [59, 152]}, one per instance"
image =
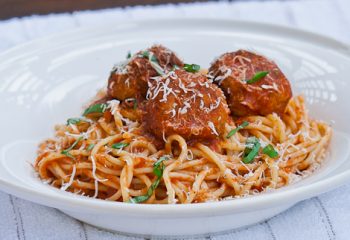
{"type": "Point", "coordinates": [71, 179]}
{"type": "Point", "coordinates": [113, 105]}
{"type": "Point", "coordinates": [212, 127]}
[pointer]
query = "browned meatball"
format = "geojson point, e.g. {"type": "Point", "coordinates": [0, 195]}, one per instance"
{"type": "Point", "coordinates": [186, 104]}
{"type": "Point", "coordinates": [129, 79]}
{"type": "Point", "coordinates": [269, 94]}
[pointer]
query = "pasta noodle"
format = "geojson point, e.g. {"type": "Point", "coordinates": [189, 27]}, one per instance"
{"type": "Point", "coordinates": [192, 172]}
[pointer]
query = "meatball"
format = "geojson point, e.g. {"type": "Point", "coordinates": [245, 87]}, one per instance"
{"type": "Point", "coordinates": [186, 104]}
{"type": "Point", "coordinates": [234, 73]}
{"type": "Point", "coordinates": [129, 79]}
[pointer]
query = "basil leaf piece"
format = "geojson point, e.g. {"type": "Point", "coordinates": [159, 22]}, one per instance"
{"type": "Point", "coordinates": [270, 151]}
{"type": "Point", "coordinates": [139, 199]}
{"type": "Point", "coordinates": [175, 67]}
{"type": "Point", "coordinates": [158, 169]}
{"type": "Point", "coordinates": [90, 147]}
{"type": "Point", "coordinates": [67, 151]}
{"type": "Point", "coordinates": [239, 127]}
{"type": "Point", "coordinates": [251, 150]}
{"type": "Point", "coordinates": [192, 68]}
{"type": "Point", "coordinates": [156, 166]}
{"type": "Point", "coordinates": [147, 54]}
{"type": "Point", "coordinates": [128, 56]}
{"type": "Point", "coordinates": [97, 108]}
{"type": "Point", "coordinates": [257, 77]}
{"type": "Point", "coordinates": [154, 62]}
{"type": "Point", "coordinates": [119, 145]}
{"type": "Point", "coordinates": [73, 121]}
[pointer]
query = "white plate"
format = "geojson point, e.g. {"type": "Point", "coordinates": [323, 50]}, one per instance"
{"type": "Point", "coordinates": [46, 81]}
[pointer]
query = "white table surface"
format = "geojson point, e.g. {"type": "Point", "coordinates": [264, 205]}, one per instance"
{"type": "Point", "coordinates": [323, 217]}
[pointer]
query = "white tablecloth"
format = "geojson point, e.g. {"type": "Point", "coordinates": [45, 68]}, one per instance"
{"type": "Point", "coordinates": [323, 217]}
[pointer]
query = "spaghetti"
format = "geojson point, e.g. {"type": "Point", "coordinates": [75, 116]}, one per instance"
{"type": "Point", "coordinates": [108, 156]}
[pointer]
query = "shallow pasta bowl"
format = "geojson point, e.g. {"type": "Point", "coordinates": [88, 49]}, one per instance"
{"type": "Point", "coordinates": [49, 80]}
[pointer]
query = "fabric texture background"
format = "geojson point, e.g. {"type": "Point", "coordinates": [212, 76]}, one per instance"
{"type": "Point", "coordinates": [324, 217]}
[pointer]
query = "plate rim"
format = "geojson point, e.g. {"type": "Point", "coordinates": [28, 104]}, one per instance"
{"type": "Point", "coordinates": [263, 201]}
{"type": "Point", "coordinates": [201, 21]}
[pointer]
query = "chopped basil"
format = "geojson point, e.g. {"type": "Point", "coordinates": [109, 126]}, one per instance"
{"type": "Point", "coordinates": [120, 145]}
{"type": "Point", "coordinates": [192, 67]}
{"type": "Point", "coordinates": [135, 105]}
{"type": "Point", "coordinates": [73, 121]}
{"type": "Point", "coordinates": [270, 151]}
{"type": "Point", "coordinates": [147, 54]}
{"type": "Point", "coordinates": [251, 150]}
{"type": "Point", "coordinates": [158, 169]}
{"type": "Point", "coordinates": [234, 131]}
{"type": "Point", "coordinates": [90, 147]}
{"type": "Point", "coordinates": [143, 198]}
{"type": "Point", "coordinates": [257, 77]}
{"type": "Point", "coordinates": [97, 108]}
{"type": "Point", "coordinates": [153, 61]}
{"type": "Point", "coordinates": [66, 151]}
{"type": "Point", "coordinates": [128, 55]}
{"type": "Point", "coordinates": [175, 67]}
{"type": "Point", "coordinates": [157, 164]}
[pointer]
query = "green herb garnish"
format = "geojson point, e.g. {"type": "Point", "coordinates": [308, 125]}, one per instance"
{"type": "Point", "coordinates": [119, 145]}
{"type": "Point", "coordinates": [128, 56]}
{"type": "Point", "coordinates": [73, 121]}
{"type": "Point", "coordinates": [97, 108]}
{"type": "Point", "coordinates": [90, 147]}
{"type": "Point", "coordinates": [157, 164]}
{"type": "Point", "coordinates": [251, 150]}
{"type": "Point", "coordinates": [158, 169]}
{"type": "Point", "coordinates": [66, 151]}
{"type": "Point", "coordinates": [153, 61]}
{"type": "Point", "coordinates": [234, 131]}
{"type": "Point", "coordinates": [257, 77]}
{"type": "Point", "coordinates": [147, 54]}
{"type": "Point", "coordinates": [175, 67]}
{"type": "Point", "coordinates": [192, 67]}
{"type": "Point", "coordinates": [270, 151]}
